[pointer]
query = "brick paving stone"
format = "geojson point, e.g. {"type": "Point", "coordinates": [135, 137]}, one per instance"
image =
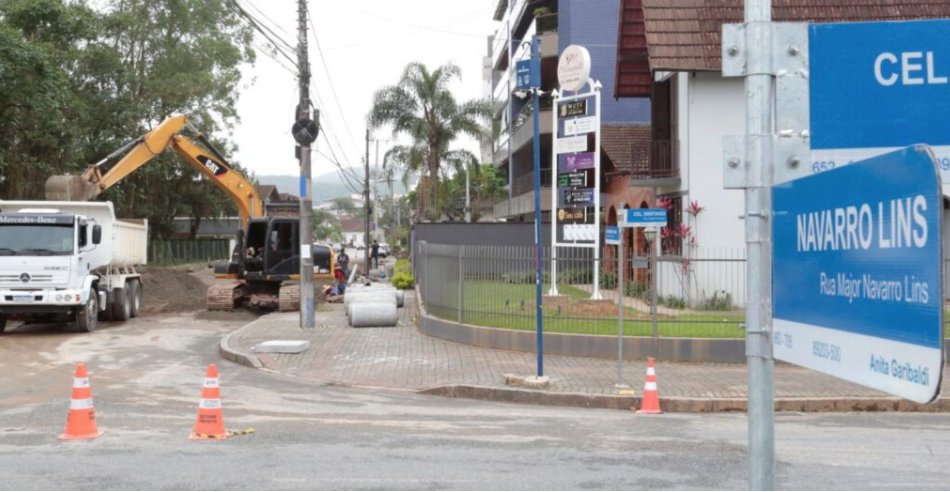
{"type": "Point", "coordinates": [402, 358]}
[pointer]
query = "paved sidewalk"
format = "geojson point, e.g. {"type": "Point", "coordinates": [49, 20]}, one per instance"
{"type": "Point", "coordinates": [402, 358]}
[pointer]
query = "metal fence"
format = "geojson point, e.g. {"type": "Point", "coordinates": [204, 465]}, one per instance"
{"type": "Point", "coordinates": [702, 296]}
{"type": "Point", "coordinates": [171, 253]}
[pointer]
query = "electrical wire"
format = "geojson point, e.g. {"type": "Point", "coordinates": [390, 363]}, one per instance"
{"type": "Point", "coordinates": [254, 24]}
{"type": "Point", "coordinates": [336, 98]}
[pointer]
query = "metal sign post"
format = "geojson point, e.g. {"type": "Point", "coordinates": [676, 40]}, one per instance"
{"type": "Point", "coordinates": [614, 235]}
{"type": "Point", "coordinates": [535, 83]}
{"type": "Point", "coordinates": [748, 51]}
{"type": "Point", "coordinates": [574, 75]}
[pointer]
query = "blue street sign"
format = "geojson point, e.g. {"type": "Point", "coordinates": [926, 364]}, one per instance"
{"type": "Point", "coordinates": [612, 235]}
{"type": "Point", "coordinates": [857, 273]}
{"type": "Point", "coordinates": [527, 74]}
{"type": "Point", "coordinates": [646, 217]}
{"type": "Point", "coordinates": [876, 87]}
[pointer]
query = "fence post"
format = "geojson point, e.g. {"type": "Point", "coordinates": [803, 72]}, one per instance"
{"type": "Point", "coordinates": [461, 285]}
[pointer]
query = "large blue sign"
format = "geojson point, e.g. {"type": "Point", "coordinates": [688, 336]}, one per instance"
{"type": "Point", "coordinates": [876, 87]}
{"type": "Point", "coordinates": [527, 74]}
{"type": "Point", "coordinates": [646, 217]}
{"type": "Point", "coordinates": [857, 273]}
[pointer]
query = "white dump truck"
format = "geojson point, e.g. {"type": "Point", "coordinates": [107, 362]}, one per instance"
{"type": "Point", "coordinates": [69, 262]}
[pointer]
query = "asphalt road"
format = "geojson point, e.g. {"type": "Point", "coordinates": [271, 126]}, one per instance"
{"type": "Point", "coordinates": [146, 378]}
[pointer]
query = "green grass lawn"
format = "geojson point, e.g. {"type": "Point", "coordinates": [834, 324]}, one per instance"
{"type": "Point", "coordinates": [512, 306]}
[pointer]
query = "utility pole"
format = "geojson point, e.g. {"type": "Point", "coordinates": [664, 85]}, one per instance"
{"type": "Point", "coordinates": [367, 205]}
{"type": "Point", "coordinates": [305, 131]}
{"type": "Point", "coordinates": [376, 193]}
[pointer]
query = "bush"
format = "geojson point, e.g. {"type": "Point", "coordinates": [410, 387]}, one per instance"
{"type": "Point", "coordinates": [720, 301]}
{"type": "Point", "coordinates": [636, 289]}
{"type": "Point", "coordinates": [608, 280]}
{"type": "Point", "coordinates": [403, 280]}
{"type": "Point", "coordinates": [402, 266]}
{"type": "Point", "coordinates": [673, 302]}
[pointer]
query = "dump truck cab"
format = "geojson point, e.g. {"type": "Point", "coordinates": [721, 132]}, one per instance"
{"type": "Point", "coordinates": [68, 261]}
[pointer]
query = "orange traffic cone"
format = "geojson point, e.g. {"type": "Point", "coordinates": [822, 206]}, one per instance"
{"type": "Point", "coordinates": [81, 423]}
{"type": "Point", "coordinates": [651, 397]}
{"type": "Point", "coordinates": [210, 422]}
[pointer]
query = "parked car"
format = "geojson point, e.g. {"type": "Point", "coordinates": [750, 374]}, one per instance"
{"type": "Point", "coordinates": [384, 250]}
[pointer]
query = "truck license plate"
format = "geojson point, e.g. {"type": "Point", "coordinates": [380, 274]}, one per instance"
{"type": "Point", "coordinates": [23, 298]}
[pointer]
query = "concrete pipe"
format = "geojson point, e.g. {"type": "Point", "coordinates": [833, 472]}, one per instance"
{"type": "Point", "coordinates": [384, 298]}
{"type": "Point", "coordinates": [400, 298]}
{"type": "Point", "coordinates": [374, 314]}
{"type": "Point", "coordinates": [364, 295]}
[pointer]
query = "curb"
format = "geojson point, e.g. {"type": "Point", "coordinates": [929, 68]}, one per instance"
{"type": "Point", "coordinates": [226, 350]}
{"type": "Point", "coordinates": [683, 405]}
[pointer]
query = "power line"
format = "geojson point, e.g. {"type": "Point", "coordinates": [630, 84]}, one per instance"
{"type": "Point", "coordinates": [267, 52]}
{"type": "Point", "coordinates": [277, 25]}
{"type": "Point", "coordinates": [326, 70]}
{"type": "Point", "coordinates": [254, 23]}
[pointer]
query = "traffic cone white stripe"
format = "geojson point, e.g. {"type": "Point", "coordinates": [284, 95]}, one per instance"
{"type": "Point", "coordinates": [80, 404]}
{"type": "Point", "coordinates": [651, 371]}
{"type": "Point", "coordinates": [81, 383]}
{"type": "Point", "coordinates": [211, 383]}
{"type": "Point", "coordinates": [209, 404]}
{"type": "Point", "coordinates": [649, 386]}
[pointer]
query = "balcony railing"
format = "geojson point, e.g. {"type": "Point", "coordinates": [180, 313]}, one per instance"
{"type": "Point", "coordinates": [525, 184]}
{"type": "Point", "coordinates": [544, 104]}
{"type": "Point", "coordinates": [657, 161]}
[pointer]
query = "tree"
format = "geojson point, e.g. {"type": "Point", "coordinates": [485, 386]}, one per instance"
{"type": "Point", "coordinates": [76, 84]}
{"type": "Point", "coordinates": [345, 205]}
{"type": "Point", "coordinates": [326, 226]}
{"type": "Point", "coordinates": [421, 107]}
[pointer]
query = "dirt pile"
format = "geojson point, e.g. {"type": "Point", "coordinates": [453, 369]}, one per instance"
{"type": "Point", "coordinates": [169, 290]}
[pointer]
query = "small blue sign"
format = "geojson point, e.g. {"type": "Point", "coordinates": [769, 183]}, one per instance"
{"type": "Point", "coordinates": [527, 74]}
{"type": "Point", "coordinates": [612, 235]}
{"type": "Point", "coordinates": [876, 87]}
{"type": "Point", "coordinates": [646, 217]}
{"type": "Point", "coordinates": [857, 273]}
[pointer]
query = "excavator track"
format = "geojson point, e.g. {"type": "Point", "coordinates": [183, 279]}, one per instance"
{"type": "Point", "coordinates": [224, 297]}
{"type": "Point", "coordinates": [289, 298]}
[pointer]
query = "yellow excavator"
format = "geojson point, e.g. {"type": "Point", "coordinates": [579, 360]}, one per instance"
{"type": "Point", "coordinates": [266, 261]}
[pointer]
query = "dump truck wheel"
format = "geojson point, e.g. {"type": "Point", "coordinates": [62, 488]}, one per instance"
{"type": "Point", "coordinates": [88, 316]}
{"type": "Point", "coordinates": [136, 287]}
{"type": "Point", "coordinates": [122, 304]}
{"type": "Point", "coordinates": [3, 323]}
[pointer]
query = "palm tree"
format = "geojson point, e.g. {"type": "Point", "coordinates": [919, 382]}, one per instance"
{"type": "Point", "coordinates": [422, 108]}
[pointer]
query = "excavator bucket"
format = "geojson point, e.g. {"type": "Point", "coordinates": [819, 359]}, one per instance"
{"type": "Point", "coordinates": [65, 188]}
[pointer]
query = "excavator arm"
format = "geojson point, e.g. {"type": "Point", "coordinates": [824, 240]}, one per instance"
{"type": "Point", "coordinates": [140, 151]}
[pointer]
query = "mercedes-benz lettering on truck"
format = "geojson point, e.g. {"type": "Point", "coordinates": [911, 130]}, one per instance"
{"type": "Point", "coordinates": [69, 261]}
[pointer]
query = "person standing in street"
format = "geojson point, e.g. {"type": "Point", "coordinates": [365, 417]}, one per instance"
{"type": "Point", "coordinates": [343, 260]}
{"type": "Point", "coordinates": [374, 252]}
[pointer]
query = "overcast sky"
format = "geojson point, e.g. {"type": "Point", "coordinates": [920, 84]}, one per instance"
{"type": "Point", "coordinates": [366, 45]}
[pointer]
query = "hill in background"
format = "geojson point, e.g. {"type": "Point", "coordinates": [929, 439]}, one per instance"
{"type": "Point", "coordinates": [325, 186]}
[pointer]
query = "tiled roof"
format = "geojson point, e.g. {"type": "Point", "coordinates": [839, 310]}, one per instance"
{"type": "Point", "coordinates": [684, 35]}
{"type": "Point", "coordinates": [620, 142]}
{"type": "Point", "coordinates": [633, 66]}
{"type": "Point", "coordinates": [352, 224]}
